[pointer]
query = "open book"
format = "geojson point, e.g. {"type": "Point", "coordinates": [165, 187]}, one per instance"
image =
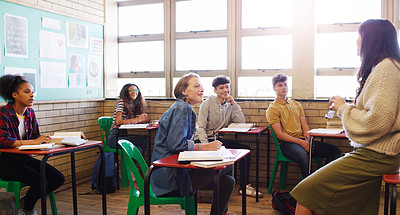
{"type": "Point", "coordinates": [325, 131]}
{"type": "Point", "coordinates": [37, 147]}
{"type": "Point", "coordinates": [68, 138]}
{"type": "Point", "coordinates": [200, 156]}
{"type": "Point", "coordinates": [239, 127]}
{"type": "Point", "coordinates": [211, 164]}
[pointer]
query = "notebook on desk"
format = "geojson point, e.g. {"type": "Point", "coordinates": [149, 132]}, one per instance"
{"type": "Point", "coordinates": [134, 126]}
{"type": "Point", "coordinates": [212, 164]}
{"type": "Point", "coordinates": [38, 147]}
{"type": "Point", "coordinates": [325, 131]}
{"type": "Point", "coordinates": [68, 138]}
{"type": "Point", "coordinates": [73, 141]}
{"type": "Point", "coordinates": [239, 127]}
{"type": "Point", "coordinates": [200, 156]}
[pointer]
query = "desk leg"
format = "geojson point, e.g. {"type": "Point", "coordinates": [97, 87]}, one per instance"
{"type": "Point", "coordinates": [393, 199]}
{"type": "Point", "coordinates": [103, 170]}
{"type": "Point", "coordinates": [74, 199]}
{"type": "Point", "coordinates": [243, 166]}
{"type": "Point", "coordinates": [268, 155]}
{"type": "Point", "coordinates": [149, 148]}
{"type": "Point", "coordinates": [386, 202]}
{"type": "Point", "coordinates": [42, 183]}
{"type": "Point", "coordinates": [257, 162]}
{"type": "Point", "coordinates": [310, 158]}
{"type": "Point", "coordinates": [216, 190]}
{"type": "Point", "coordinates": [147, 189]}
{"type": "Point", "coordinates": [116, 157]}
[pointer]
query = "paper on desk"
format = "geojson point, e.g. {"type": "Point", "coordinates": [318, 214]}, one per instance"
{"type": "Point", "coordinates": [226, 153]}
{"type": "Point", "coordinates": [36, 147]}
{"type": "Point", "coordinates": [235, 129]}
{"type": "Point", "coordinates": [325, 131]}
{"type": "Point", "coordinates": [132, 126]}
{"type": "Point", "coordinates": [211, 164]}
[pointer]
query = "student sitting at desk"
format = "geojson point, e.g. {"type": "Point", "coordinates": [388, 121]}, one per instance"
{"type": "Point", "coordinates": [129, 110]}
{"type": "Point", "coordinates": [18, 126]}
{"type": "Point", "coordinates": [175, 132]}
{"type": "Point", "coordinates": [289, 123]}
{"type": "Point", "coordinates": [218, 112]}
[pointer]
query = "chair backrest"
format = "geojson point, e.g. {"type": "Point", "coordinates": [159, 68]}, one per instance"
{"type": "Point", "coordinates": [278, 148]}
{"type": "Point", "coordinates": [131, 153]}
{"type": "Point", "coordinates": [105, 123]}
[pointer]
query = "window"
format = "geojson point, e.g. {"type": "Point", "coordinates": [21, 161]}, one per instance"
{"type": "Point", "coordinates": [266, 45]}
{"type": "Point", "coordinates": [201, 15]}
{"type": "Point", "coordinates": [201, 54]}
{"type": "Point", "coordinates": [313, 42]}
{"type": "Point", "coordinates": [201, 38]}
{"type": "Point", "coordinates": [141, 46]}
{"type": "Point", "coordinates": [336, 57]}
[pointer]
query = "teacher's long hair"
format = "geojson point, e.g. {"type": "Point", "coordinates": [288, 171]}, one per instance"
{"type": "Point", "coordinates": [378, 41]}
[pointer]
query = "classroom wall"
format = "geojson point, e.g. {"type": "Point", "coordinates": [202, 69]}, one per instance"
{"type": "Point", "coordinates": [88, 10]}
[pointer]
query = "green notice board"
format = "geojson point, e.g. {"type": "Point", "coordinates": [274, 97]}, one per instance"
{"type": "Point", "coordinates": [61, 57]}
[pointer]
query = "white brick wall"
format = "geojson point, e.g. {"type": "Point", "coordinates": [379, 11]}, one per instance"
{"type": "Point", "coordinates": [88, 10]}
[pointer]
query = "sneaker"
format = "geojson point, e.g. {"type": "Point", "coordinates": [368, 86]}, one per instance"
{"type": "Point", "coordinates": [26, 212]}
{"type": "Point", "coordinates": [251, 191]}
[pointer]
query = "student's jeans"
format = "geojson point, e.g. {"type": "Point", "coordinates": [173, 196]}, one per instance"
{"type": "Point", "coordinates": [203, 179]}
{"type": "Point", "coordinates": [231, 144]}
{"type": "Point", "coordinates": [296, 153]}
{"type": "Point", "coordinates": [139, 141]}
{"type": "Point", "coordinates": [26, 169]}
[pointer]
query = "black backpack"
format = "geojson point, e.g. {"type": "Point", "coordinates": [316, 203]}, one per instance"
{"type": "Point", "coordinates": [283, 202]}
{"type": "Point", "coordinates": [111, 174]}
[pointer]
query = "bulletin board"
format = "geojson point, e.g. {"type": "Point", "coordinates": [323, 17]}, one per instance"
{"type": "Point", "coordinates": [61, 57]}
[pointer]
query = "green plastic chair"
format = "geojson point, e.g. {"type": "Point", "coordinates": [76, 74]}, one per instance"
{"type": "Point", "coordinates": [284, 161]}
{"type": "Point", "coordinates": [16, 186]}
{"type": "Point", "coordinates": [105, 123]}
{"type": "Point", "coordinates": [136, 198]}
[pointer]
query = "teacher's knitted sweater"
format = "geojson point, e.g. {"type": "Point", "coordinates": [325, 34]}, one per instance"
{"type": "Point", "coordinates": [374, 121]}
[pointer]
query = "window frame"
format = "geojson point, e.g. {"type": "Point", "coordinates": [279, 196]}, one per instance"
{"type": "Point", "coordinates": [303, 31]}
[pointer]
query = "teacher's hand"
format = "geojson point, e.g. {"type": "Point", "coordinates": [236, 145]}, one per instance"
{"type": "Point", "coordinates": [336, 101]}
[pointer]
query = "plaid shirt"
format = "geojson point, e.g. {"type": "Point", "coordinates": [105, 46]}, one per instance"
{"type": "Point", "coordinates": [9, 122]}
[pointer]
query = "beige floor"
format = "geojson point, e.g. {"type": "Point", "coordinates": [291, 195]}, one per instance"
{"type": "Point", "coordinates": [117, 204]}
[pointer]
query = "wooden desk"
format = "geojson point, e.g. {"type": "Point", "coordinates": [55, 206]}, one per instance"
{"type": "Point", "coordinates": [149, 128]}
{"type": "Point", "coordinates": [59, 151]}
{"type": "Point", "coordinates": [256, 131]}
{"type": "Point", "coordinates": [172, 161]}
{"type": "Point", "coordinates": [321, 135]}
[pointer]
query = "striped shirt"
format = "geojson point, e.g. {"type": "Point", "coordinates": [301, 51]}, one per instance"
{"type": "Point", "coordinates": [119, 108]}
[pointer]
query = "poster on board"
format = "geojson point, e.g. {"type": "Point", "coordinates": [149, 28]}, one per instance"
{"type": "Point", "coordinates": [77, 35]}
{"type": "Point", "coordinates": [16, 36]}
{"type": "Point", "coordinates": [28, 73]}
{"type": "Point", "coordinates": [51, 45]}
{"type": "Point", "coordinates": [76, 75]}
{"type": "Point", "coordinates": [53, 75]}
{"type": "Point", "coordinates": [95, 68]}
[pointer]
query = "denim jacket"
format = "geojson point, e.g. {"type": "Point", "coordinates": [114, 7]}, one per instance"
{"type": "Point", "coordinates": [175, 132]}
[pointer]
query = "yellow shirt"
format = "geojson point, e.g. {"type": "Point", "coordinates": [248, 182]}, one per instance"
{"type": "Point", "coordinates": [288, 114]}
